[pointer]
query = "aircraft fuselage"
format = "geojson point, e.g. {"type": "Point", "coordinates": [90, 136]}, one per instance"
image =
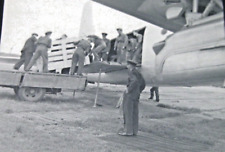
{"type": "Point", "coordinates": [194, 56]}
{"type": "Point", "coordinates": [191, 57]}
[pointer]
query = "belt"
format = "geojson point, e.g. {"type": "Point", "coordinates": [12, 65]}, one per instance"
{"type": "Point", "coordinates": [43, 44]}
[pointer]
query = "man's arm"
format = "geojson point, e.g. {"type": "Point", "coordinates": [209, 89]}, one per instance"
{"type": "Point", "coordinates": [142, 83]}
{"type": "Point", "coordinates": [108, 46]}
{"type": "Point", "coordinates": [133, 82]}
{"type": "Point", "coordinates": [87, 50]}
{"type": "Point", "coordinates": [76, 42]}
{"type": "Point", "coordinates": [125, 40]}
{"type": "Point", "coordinates": [27, 43]}
{"type": "Point", "coordinates": [115, 44]}
{"type": "Point", "coordinates": [49, 43]}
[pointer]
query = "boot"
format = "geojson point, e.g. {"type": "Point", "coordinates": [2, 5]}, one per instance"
{"type": "Point", "coordinates": [151, 94]}
{"type": "Point", "coordinates": [150, 98]}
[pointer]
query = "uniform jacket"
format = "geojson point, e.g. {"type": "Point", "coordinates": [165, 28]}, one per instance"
{"type": "Point", "coordinates": [121, 39]}
{"type": "Point", "coordinates": [45, 41]}
{"type": "Point", "coordinates": [84, 44]}
{"type": "Point", "coordinates": [99, 42]}
{"type": "Point", "coordinates": [108, 44]}
{"type": "Point", "coordinates": [135, 85]}
{"type": "Point", "coordinates": [30, 45]}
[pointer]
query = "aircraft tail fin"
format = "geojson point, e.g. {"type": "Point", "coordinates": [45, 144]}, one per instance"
{"type": "Point", "coordinates": [86, 24]}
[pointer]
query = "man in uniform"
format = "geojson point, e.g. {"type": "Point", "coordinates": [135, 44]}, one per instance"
{"type": "Point", "coordinates": [83, 48]}
{"type": "Point", "coordinates": [120, 45]}
{"type": "Point", "coordinates": [27, 52]}
{"type": "Point", "coordinates": [135, 86]}
{"type": "Point", "coordinates": [138, 47]}
{"type": "Point", "coordinates": [105, 52]}
{"type": "Point", "coordinates": [43, 43]}
{"type": "Point", "coordinates": [156, 90]}
{"type": "Point", "coordinates": [132, 43]}
{"type": "Point", "coordinates": [99, 46]}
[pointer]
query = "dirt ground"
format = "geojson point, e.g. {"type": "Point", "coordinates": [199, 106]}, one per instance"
{"type": "Point", "coordinates": [185, 120]}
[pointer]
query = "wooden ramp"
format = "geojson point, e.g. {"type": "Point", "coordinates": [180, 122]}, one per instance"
{"type": "Point", "coordinates": [153, 143]}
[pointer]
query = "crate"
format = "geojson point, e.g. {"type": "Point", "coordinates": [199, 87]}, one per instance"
{"type": "Point", "coordinates": [60, 54]}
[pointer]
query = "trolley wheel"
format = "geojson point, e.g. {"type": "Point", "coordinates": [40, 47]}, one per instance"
{"type": "Point", "coordinates": [31, 94]}
{"type": "Point", "coordinates": [15, 89]}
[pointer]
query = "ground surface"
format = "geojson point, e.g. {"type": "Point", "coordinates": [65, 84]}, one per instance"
{"type": "Point", "coordinates": [185, 120]}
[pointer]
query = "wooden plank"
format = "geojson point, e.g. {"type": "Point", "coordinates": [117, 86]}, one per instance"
{"type": "Point", "coordinates": [47, 80]}
{"type": "Point", "coordinates": [70, 51]}
{"type": "Point", "coordinates": [64, 51]}
{"type": "Point", "coordinates": [60, 52]}
{"type": "Point", "coordinates": [69, 56]}
{"type": "Point", "coordinates": [55, 58]}
{"type": "Point", "coordinates": [58, 66]}
{"type": "Point", "coordinates": [10, 78]}
{"type": "Point", "coordinates": [57, 53]}
{"type": "Point", "coordinates": [59, 47]}
{"type": "Point", "coordinates": [69, 45]}
{"type": "Point", "coordinates": [67, 40]}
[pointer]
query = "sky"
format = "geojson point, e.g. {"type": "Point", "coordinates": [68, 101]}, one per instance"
{"type": "Point", "coordinates": [72, 17]}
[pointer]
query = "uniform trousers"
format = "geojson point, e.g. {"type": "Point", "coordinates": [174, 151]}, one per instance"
{"type": "Point", "coordinates": [130, 114]}
{"type": "Point", "coordinates": [121, 53]}
{"type": "Point", "coordinates": [24, 59]}
{"type": "Point", "coordinates": [78, 57]}
{"type": "Point", "coordinates": [42, 51]}
{"type": "Point", "coordinates": [96, 52]}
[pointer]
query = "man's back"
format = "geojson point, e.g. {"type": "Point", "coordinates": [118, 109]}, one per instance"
{"type": "Point", "coordinates": [140, 79]}
{"type": "Point", "coordinates": [85, 44]}
{"type": "Point", "coordinates": [29, 45]}
{"type": "Point", "coordinates": [99, 41]}
{"type": "Point", "coordinates": [45, 40]}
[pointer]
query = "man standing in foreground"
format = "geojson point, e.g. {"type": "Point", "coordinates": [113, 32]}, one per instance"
{"type": "Point", "coordinates": [27, 51]}
{"type": "Point", "coordinates": [43, 43]}
{"type": "Point", "coordinates": [135, 86]}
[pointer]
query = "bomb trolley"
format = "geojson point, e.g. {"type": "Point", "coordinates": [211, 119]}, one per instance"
{"type": "Point", "coordinates": [32, 86]}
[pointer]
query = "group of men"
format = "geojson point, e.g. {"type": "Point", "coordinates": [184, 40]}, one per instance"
{"type": "Point", "coordinates": [128, 48]}
{"type": "Point", "coordinates": [33, 49]}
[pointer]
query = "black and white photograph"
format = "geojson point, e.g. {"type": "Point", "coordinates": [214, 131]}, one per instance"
{"type": "Point", "coordinates": [112, 76]}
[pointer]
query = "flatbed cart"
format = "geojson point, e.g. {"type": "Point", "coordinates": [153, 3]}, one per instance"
{"type": "Point", "coordinates": [32, 86]}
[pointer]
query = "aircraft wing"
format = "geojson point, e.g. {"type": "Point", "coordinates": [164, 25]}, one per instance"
{"type": "Point", "coordinates": [153, 11]}
{"type": "Point", "coordinates": [168, 14]}
{"type": "Point", "coordinates": [105, 68]}
{"type": "Point", "coordinates": [8, 58]}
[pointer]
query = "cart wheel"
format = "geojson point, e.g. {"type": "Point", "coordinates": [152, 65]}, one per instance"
{"type": "Point", "coordinates": [30, 93]}
{"type": "Point", "coordinates": [16, 90]}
